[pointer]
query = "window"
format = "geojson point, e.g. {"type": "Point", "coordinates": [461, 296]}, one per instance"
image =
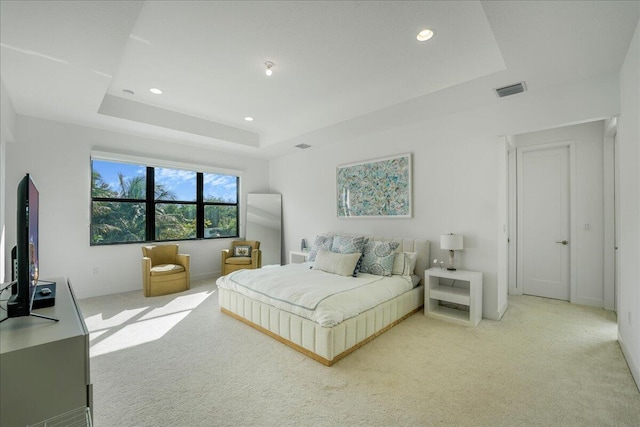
{"type": "Point", "coordinates": [220, 200]}
{"type": "Point", "coordinates": [175, 204]}
{"type": "Point", "coordinates": [137, 203]}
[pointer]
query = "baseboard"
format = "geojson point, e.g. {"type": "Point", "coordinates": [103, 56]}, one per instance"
{"type": "Point", "coordinates": [115, 288]}
{"type": "Point", "coordinates": [495, 315]}
{"type": "Point", "coordinates": [205, 276]}
{"type": "Point", "coordinates": [503, 309]}
{"type": "Point", "coordinates": [631, 362]}
{"type": "Point", "coordinates": [132, 287]}
{"type": "Point", "coordinates": [593, 302]}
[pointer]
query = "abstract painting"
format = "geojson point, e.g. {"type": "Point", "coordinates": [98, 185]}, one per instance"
{"type": "Point", "coordinates": [375, 188]}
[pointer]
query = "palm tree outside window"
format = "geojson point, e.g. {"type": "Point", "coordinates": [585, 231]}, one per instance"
{"type": "Point", "coordinates": [138, 203]}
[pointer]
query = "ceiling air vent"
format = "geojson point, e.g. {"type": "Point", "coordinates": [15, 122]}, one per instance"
{"type": "Point", "coordinates": [303, 146]}
{"type": "Point", "coordinates": [511, 89]}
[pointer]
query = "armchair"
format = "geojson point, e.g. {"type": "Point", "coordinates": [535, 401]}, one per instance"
{"type": "Point", "coordinates": [164, 270]}
{"type": "Point", "coordinates": [233, 259]}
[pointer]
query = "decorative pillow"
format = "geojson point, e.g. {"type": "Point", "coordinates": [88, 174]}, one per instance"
{"type": "Point", "coordinates": [347, 244]}
{"type": "Point", "coordinates": [404, 263]}
{"type": "Point", "coordinates": [331, 262]}
{"type": "Point", "coordinates": [411, 258]}
{"type": "Point", "coordinates": [321, 242]}
{"type": "Point", "coordinates": [358, 266]}
{"type": "Point", "coordinates": [378, 258]}
{"type": "Point", "coordinates": [242, 250]}
{"type": "Point", "coordinates": [415, 279]}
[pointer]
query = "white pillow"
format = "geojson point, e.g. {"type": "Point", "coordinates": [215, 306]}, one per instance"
{"type": "Point", "coordinates": [331, 262]}
{"type": "Point", "coordinates": [404, 263]}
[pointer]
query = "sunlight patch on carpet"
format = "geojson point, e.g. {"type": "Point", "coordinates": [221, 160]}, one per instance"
{"type": "Point", "coordinates": [133, 327]}
{"type": "Point", "coordinates": [138, 333]}
{"type": "Point", "coordinates": [99, 322]}
{"type": "Point", "coordinates": [94, 335]}
{"type": "Point", "coordinates": [182, 303]}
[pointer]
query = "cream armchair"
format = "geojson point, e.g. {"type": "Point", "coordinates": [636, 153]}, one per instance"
{"type": "Point", "coordinates": [164, 270]}
{"type": "Point", "coordinates": [233, 259]}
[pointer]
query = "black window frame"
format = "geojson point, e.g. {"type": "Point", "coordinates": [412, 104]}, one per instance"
{"type": "Point", "coordinates": [150, 203]}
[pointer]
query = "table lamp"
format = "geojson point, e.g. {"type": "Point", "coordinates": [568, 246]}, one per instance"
{"type": "Point", "coordinates": [451, 242]}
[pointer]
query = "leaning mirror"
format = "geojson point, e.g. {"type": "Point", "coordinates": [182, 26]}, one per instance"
{"type": "Point", "coordinates": [264, 224]}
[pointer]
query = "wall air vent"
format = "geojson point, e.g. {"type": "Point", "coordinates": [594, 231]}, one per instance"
{"type": "Point", "coordinates": [511, 89]}
{"type": "Point", "coordinates": [303, 146]}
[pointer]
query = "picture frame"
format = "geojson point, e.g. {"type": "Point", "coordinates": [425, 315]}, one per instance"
{"type": "Point", "coordinates": [379, 188]}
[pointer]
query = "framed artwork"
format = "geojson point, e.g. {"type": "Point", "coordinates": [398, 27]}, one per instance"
{"type": "Point", "coordinates": [378, 188]}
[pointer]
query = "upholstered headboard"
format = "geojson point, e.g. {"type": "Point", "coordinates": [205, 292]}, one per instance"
{"type": "Point", "coordinates": [420, 246]}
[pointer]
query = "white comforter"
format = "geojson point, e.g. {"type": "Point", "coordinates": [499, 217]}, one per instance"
{"type": "Point", "coordinates": [324, 298]}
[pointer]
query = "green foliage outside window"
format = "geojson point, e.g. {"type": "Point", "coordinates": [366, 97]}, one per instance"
{"type": "Point", "coordinates": [120, 209]}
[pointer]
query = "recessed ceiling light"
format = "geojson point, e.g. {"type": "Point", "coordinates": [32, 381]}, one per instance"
{"type": "Point", "coordinates": [128, 92]}
{"type": "Point", "coordinates": [156, 91]}
{"type": "Point", "coordinates": [249, 118]}
{"type": "Point", "coordinates": [424, 35]}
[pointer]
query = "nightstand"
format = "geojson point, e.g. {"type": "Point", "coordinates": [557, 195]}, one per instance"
{"type": "Point", "coordinates": [298, 257]}
{"type": "Point", "coordinates": [468, 292]}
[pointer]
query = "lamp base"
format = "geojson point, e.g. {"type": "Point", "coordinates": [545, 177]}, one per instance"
{"type": "Point", "coordinates": [451, 267]}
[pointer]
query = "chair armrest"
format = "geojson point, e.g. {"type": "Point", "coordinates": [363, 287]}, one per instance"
{"type": "Point", "coordinates": [146, 265]}
{"type": "Point", "coordinates": [225, 254]}
{"type": "Point", "coordinates": [256, 258]}
{"type": "Point", "coordinates": [146, 275]}
{"type": "Point", "coordinates": [183, 260]}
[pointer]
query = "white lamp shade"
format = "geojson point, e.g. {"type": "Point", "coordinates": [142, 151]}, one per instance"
{"type": "Point", "coordinates": [452, 242]}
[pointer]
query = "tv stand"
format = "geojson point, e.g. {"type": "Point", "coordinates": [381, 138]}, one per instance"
{"type": "Point", "coordinates": [34, 315]}
{"type": "Point", "coordinates": [43, 317]}
{"type": "Point", "coordinates": [44, 366]}
{"type": "Point", "coordinates": [33, 298]}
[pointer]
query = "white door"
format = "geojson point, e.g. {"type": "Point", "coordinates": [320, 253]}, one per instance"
{"type": "Point", "coordinates": [543, 221]}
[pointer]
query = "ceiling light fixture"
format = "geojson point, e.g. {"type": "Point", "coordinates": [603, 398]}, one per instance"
{"type": "Point", "coordinates": [269, 66]}
{"type": "Point", "coordinates": [128, 92]}
{"type": "Point", "coordinates": [424, 35]}
{"type": "Point", "coordinates": [249, 118]}
{"type": "Point", "coordinates": [155, 90]}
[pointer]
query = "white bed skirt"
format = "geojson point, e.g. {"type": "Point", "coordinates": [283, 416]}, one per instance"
{"type": "Point", "coordinates": [326, 345]}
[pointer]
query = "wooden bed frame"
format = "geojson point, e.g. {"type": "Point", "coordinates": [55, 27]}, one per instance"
{"type": "Point", "coordinates": [328, 345]}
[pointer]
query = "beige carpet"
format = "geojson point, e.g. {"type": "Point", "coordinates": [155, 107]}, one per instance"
{"type": "Point", "coordinates": [177, 361]}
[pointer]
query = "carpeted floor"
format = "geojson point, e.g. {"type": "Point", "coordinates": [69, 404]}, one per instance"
{"type": "Point", "coordinates": [177, 361]}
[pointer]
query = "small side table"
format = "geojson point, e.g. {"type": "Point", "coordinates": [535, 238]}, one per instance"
{"type": "Point", "coordinates": [470, 296]}
{"type": "Point", "coordinates": [298, 257]}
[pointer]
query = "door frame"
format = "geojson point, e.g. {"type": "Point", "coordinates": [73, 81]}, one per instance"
{"type": "Point", "coordinates": [512, 214]}
{"type": "Point", "coordinates": [515, 216]}
{"type": "Point", "coordinates": [611, 209]}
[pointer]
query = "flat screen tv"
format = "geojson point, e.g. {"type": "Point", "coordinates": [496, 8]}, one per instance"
{"type": "Point", "coordinates": [19, 303]}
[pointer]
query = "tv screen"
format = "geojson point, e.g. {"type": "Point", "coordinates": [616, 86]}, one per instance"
{"type": "Point", "coordinates": [19, 303]}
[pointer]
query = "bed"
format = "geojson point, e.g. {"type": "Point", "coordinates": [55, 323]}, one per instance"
{"type": "Point", "coordinates": [321, 324]}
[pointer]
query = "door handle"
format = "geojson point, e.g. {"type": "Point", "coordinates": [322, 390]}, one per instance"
{"type": "Point", "coordinates": [564, 242]}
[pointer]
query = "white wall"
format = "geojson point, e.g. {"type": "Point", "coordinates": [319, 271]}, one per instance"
{"type": "Point", "coordinates": [7, 129]}
{"type": "Point", "coordinates": [455, 174]}
{"type": "Point", "coordinates": [2, 207]}
{"type": "Point", "coordinates": [629, 225]}
{"type": "Point", "coordinates": [57, 156]}
{"type": "Point", "coordinates": [588, 245]}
